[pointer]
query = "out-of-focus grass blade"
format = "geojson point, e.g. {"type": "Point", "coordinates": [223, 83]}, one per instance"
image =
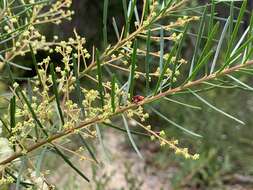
{"type": "Point", "coordinates": [105, 14]}
{"type": "Point", "coordinates": [158, 84]}
{"type": "Point", "coordinates": [137, 16]}
{"type": "Point", "coordinates": [113, 93]}
{"type": "Point", "coordinates": [115, 28]}
{"type": "Point", "coordinates": [250, 32]}
{"type": "Point", "coordinates": [199, 66]}
{"type": "Point", "coordinates": [33, 113]}
{"type": "Point", "coordinates": [29, 4]}
{"type": "Point", "coordinates": [92, 154]}
{"type": "Point", "coordinates": [24, 184]}
{"type": "Point", "coordinates": [240, 82]}
{"type": "Point", "coordinates": [238, 53]}
{"type": "Point", "coordinates": [99, 74]}
{"type": "Point", "coordinates": [132, 4]}
{"type": "Point", "coordinates": [66, 159]}
{"type": "Point", "coordinates": [35, 64]}
{"type": "Point", "coordinates": [124, 4]}
{"type": "Point", "coordinates": [174, 124]}
{"type": "Point", "coordinates": [211, 17]}
{"type": "Point", "coordinates": [132, 71]}
{"type": "Point", "coordinates": [183, 104]}
{"type": "Point", "coordinates": [248, 56]}
{"type": "Point", "coordinates": [20, 172]}
{"type": "Point", "coordinates": [216, 109]}
{"type": "Point", "coordinates": [16, 65]}
{"type": "Point", "coordinates": [240, 41]}
{"type": "Point", "coordinates": [219, 45]}
{"type": "Point", "coordinates": [178, 52]}
{"type": "Point", "coordinates": [130, 137]}
{"type": "Point", "coordinates": [145, 9]}
{"type": "Point", "coordinates": [10, 75]}
{"type": "Point", "coordinates": [233, 37]}
{"type": "Point", "coordinates": [102, 142]}
{"type": "Point", "coordinates": [12, 115]}
{"type": "Point", "coordinates": [5, 126]}
{"type": "Point", "coordinates": [29, 90]}
{"type": "Point", "coordinates": [206, 53]}
{"type": "Point", "coordinates": [13, 112]}
{"type": "Point", "coordinates": [161, 49]}
{"type": "Point", "coordinates": [231, 15]}
{"type": "Point", "coordinates": [78, 86]}
{"type": "Point", "coordinates": [147, 61]}
{"type": "Point", "coordinates": [39, 161]}
{"type": "Point", "coordinates": [124, 130]}
{"type": "Point", "coordinates": [200, 33]}
{"type": "Point", "coordinates": [56, 94]}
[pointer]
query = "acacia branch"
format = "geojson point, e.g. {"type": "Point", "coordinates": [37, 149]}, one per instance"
{"type": "Point", "coordinates": [123, 109]}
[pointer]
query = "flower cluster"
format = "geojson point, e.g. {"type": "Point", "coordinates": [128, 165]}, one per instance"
{"type": "Point", "coordinates": [19, 36]}
{"type": "Point", "coordinates": [172, 144]}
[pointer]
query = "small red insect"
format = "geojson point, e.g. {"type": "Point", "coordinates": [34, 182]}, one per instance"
{"type": "Point", "coordinates": [136, 99]}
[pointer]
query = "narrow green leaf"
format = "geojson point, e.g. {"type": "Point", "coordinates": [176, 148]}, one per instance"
{"type": "Point", "coordinates": [199, 66]}
{"type": "Point", "coordinates": [5, 126]}
{"type": "Point", "coordinates": [99, 74]}
{"type": "Point", "coordinates": [161, 49]}
{"type": "Point", "coordinates": [132, 4]}
{"type": "Point", "coordinates": [211, 16]}
{"type": "Point", "coordinates": [125, 9]}
{"type": "Point", "coordinates": [130, 137]}
{"type": "Point", "coordinates": [33, 113]}
{"type": "Point", "coordinates": [132, 71]}
{"type": "Point", "coordinates": [223, 34]}
{"type": "Point", "coordinates": [146, 8]}
{"type": "Point", "coordinates": [92, 154]}
{"type": "Point", "coordinates": [29, 90]}
{"type": "Point", "coordinates": [237, 54]}
{"type": "Point", "coordinates": [200, 33]}
{"type": "Point", "coordinates": [243, 36]}
{"type": "Point", "coordinates": [183, 104]}
{"type": "Point", "coordinates": [233, 37]}
{"type": "Point", "coordinates": [17, 66]}
{"type": "Point", "coordinates": [56, 94]}
{"type": "Point", "coordinates": [113, 93]}
{"type": "Point", "coordinates": [215, 108]}
{"type": "Point", "coordinates": [39, 161]}
{"type": "Point", "coordinates": [136, 16]}
{"type": "Point", "coordinates": [124, 130]}
{"type": "Point", "coordinates": [105, 14]}
{"type": "Point", "coordinates": [115, 28]}
{"type": "Point", "coordinates": [205, 55]}
{"type": "Point", "coordinates": [178, 52]}
{"type": "Point", "coordinates": [35, 64]}
{"type": "Point", "coordinates": [250, 32]}
{"type": "Point", "coordinates": [101, 142]}
{"type": "Point", "coordinates": [13, 112]}
{"type": "Point", "coordinates": [66, 159]}
{"type": "Point", "coordinates": [166, 65]}
{"type": "Point", "coordinates": [20, 172]}
{"type": "Point", "coordinates": [10, 75]}
{"type": "Point", "coordinates": [174, 124]}
{"type": "Point", "coordinates": [240, 82]}
{"type": "Point", "coordinates": [25, 184]}
{"type": "Point", "coordinates": [231, 15]}
{"type": "Point", "coordinates": [147, 61]}
{"type": "Point", "coordinates": [78, 89]}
